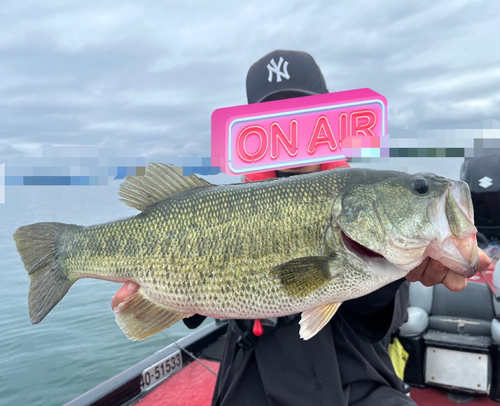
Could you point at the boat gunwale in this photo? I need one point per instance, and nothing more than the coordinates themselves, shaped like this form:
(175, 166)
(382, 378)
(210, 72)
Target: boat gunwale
(124, 388)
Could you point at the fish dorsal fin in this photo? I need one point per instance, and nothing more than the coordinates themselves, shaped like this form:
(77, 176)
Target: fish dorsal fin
(160, 182)
(313, 320)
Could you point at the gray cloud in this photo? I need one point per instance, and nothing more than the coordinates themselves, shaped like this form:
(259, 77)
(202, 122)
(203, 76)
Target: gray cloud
(148, 75)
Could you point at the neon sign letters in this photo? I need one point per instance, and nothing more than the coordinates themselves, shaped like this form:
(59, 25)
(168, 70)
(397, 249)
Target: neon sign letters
(300, 131)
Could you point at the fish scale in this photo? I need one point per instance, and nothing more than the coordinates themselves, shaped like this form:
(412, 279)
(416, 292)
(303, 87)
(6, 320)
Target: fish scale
(257, 250)
(189, 252)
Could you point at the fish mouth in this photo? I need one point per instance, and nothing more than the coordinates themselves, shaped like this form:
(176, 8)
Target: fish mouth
(456, 245)
(357, 248)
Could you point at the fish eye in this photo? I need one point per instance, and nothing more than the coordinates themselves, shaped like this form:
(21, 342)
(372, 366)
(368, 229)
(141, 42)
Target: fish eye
(420, 185)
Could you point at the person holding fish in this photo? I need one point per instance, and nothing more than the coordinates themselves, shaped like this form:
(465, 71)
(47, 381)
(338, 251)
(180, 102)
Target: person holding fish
(338, 249)
(346, 362)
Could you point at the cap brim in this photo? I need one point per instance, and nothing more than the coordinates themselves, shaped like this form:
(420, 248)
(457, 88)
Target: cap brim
(287, 93)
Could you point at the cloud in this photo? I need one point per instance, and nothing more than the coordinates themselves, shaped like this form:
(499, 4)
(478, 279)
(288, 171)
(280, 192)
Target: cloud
(8, 152)
(150, 74)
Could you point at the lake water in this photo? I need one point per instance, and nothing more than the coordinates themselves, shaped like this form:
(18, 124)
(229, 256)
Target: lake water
(78, 345)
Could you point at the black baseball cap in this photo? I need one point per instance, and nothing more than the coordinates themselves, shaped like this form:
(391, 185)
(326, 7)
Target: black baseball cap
(284, 74)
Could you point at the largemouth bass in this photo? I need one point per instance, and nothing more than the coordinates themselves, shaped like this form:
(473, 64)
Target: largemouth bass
(257, 250)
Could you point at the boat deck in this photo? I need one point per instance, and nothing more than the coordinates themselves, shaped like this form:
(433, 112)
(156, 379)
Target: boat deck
(194, 385)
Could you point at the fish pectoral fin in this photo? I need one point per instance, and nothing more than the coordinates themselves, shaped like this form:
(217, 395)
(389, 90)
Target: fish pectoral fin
(302, 276)
(139, 317)
(313, 320)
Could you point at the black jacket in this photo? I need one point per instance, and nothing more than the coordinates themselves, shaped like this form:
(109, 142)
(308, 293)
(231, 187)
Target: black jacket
(346, 363)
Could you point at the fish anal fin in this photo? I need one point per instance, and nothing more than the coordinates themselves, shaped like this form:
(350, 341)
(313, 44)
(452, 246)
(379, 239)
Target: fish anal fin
(139, 317)
(158, 183)
(313, 320)
(302, 276)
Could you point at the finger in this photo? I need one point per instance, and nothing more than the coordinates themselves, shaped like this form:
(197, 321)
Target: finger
(124, 293)
(454, 281)
(484, 260)
(434, 273)
(416, 273)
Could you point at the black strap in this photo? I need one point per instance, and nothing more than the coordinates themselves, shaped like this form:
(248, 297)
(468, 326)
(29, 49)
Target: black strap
(247, 340)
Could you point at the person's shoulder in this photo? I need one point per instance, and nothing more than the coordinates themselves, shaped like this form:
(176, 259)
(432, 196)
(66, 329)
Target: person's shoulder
(255, 177)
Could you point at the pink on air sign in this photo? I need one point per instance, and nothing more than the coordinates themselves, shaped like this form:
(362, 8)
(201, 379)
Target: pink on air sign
(299, 131)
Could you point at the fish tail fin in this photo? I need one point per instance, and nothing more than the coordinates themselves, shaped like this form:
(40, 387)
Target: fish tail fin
(36, 243)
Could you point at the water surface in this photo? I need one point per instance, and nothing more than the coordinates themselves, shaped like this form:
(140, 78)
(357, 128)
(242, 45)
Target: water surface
(78, 345)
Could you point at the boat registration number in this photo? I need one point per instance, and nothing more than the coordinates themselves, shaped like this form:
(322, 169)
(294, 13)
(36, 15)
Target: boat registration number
(160, 371)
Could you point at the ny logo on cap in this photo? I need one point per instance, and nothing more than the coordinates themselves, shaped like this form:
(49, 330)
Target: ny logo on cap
(273, 68)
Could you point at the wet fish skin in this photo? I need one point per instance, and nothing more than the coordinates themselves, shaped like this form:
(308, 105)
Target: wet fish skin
(255, 250)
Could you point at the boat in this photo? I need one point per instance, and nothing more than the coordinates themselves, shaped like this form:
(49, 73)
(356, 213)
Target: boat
(184, 373)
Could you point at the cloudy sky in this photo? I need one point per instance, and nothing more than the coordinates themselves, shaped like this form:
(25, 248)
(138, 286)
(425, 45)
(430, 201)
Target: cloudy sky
(148, 74)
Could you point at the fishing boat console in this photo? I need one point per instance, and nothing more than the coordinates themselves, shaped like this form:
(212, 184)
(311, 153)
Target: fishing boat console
(453, 338)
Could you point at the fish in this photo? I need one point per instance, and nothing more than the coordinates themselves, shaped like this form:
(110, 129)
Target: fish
(302, 244)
